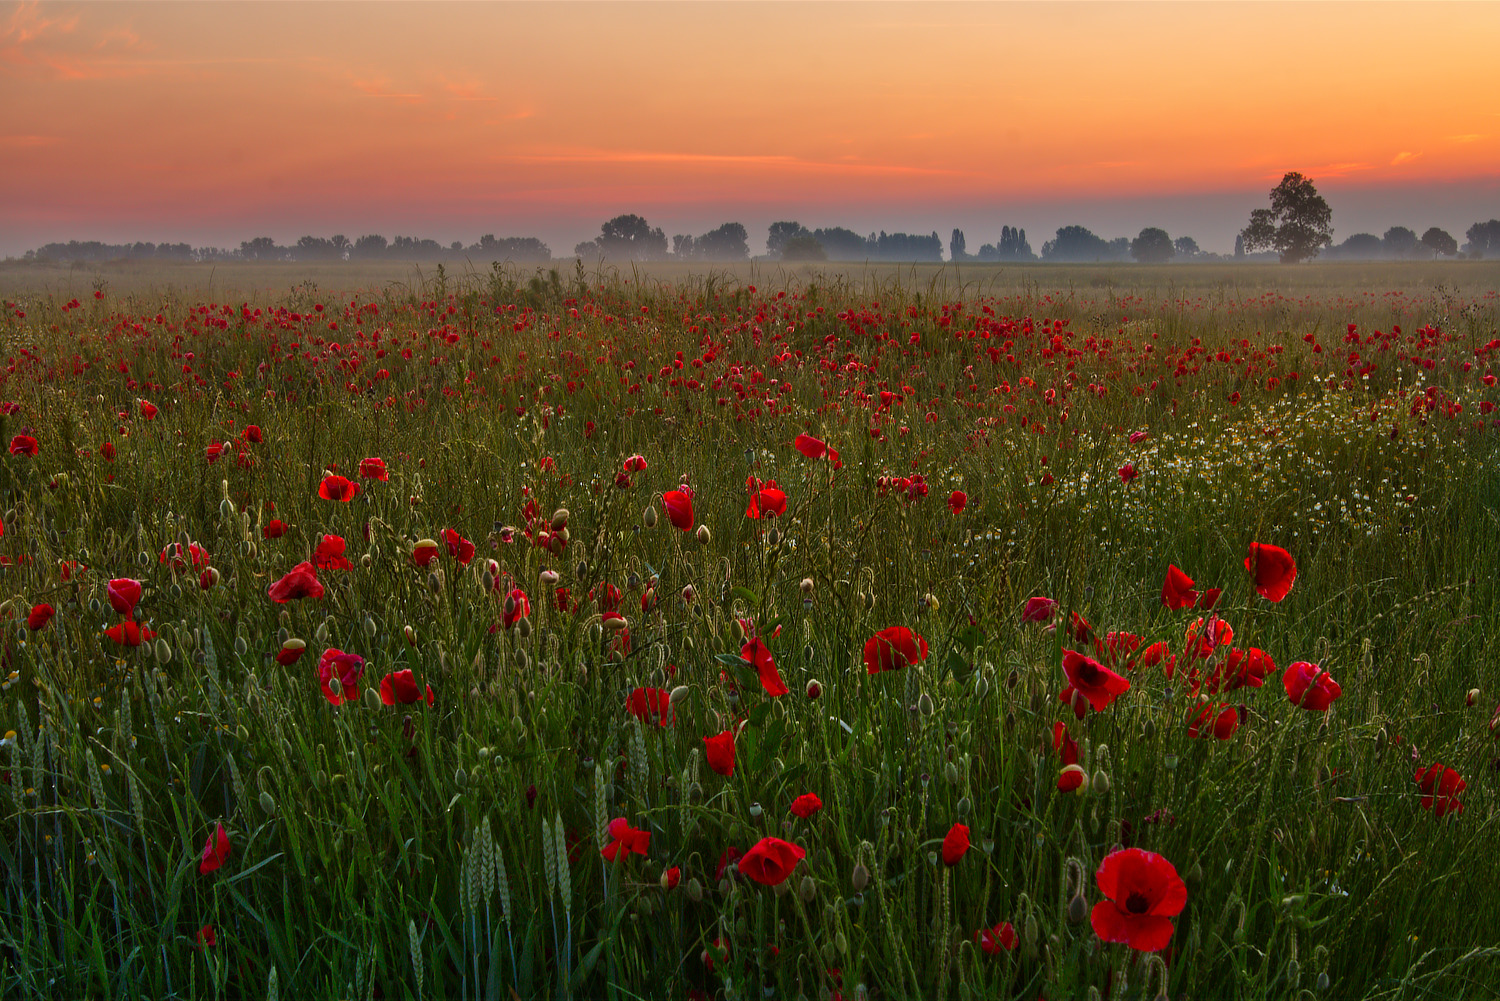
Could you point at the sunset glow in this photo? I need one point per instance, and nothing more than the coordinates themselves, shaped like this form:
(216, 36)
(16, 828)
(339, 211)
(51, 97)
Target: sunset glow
(212, 123)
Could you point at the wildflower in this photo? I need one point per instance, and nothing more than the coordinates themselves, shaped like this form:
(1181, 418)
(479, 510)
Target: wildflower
(215, 851)
(955, 844)
(214, 450)
(719, 750)
(347, 668)
(1136, 437)
(806, 805)
(273, 529)
(892, 649)
(1440, 789)
(401, 686)
(180, 559)
(679, 508)
(338, 488)
(809, 446)
(770, 860)
(516, 607)
(635, 464)
(994, 941)
(650, 705)
(1128, 472)
(253, 434)
(671, 877)
(130, 633)
(373, 469)
(424, 552)
(291, 651)
(330, 554)
(765, 499)
(957, 501)
(1064, 744)
(1273, 568)
(205, 939)
(625, 838)
(148, 410)
(758, 655)
(1220, 721)
(123, 594)
(1143, 893)
(23, 444)
(1091, 679)
(459, 548)
(1177, 590)
(1310, 687)
(40, 615)
(1039, 610)
(300, 582)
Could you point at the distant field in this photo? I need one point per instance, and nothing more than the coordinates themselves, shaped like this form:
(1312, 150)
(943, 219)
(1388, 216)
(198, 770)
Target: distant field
(258, 281)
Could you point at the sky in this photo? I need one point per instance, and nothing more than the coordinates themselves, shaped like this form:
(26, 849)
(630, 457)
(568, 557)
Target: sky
(211, 123)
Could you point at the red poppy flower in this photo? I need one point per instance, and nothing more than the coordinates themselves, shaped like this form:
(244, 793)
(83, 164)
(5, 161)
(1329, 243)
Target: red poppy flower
(253, 434)
(373, 469)
(635, 464)
(330, 554)
(994, 941)
(1243, 669)
(957, 501)
(671, 877)
(1065, 746)
(130, 633)
(1092, 680)
(300, 582)
(401, 686)
(1273, 568)
(758, 655)
(338, 488)
(1079, 628)
(719, 750)
(625, 838)
(955, 844)
(650, 705)
(810, 446)
(148, 410)
(215, 851)
(765, 499)
(273, 529)
(40, 616)
(459, 547)
(1128, 472)
(806, 805)
(1177, 590)
(1220, 721)
(516, 607)
(347, 667)
(679, 507)
(1309, 686)
(123, 594)
(1070, 778)
(771, 860)
(1144, 893)
(180, 559)
(206, 939)
(1039, 610)
(213, 451)
(893, 648)
(727, 858)
(107, 451)
(23, 444)
(424, 552)
(291, 651)
(1440, 789)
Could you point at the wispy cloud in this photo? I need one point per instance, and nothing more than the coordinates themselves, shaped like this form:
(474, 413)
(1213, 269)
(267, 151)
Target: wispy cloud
(382, 88)
(28, 141)
(1405, 156)
(1468, 137)
(762, 161)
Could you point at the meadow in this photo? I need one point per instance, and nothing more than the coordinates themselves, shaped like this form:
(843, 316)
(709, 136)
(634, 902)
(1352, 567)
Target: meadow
(881, 633)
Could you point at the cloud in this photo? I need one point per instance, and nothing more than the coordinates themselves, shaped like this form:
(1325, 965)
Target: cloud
(1405, 156)
(381, 88)
(1468, 137)
(759, 161)
(28, 141)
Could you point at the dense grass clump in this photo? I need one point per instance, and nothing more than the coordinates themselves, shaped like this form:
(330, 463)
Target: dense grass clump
(458, 722)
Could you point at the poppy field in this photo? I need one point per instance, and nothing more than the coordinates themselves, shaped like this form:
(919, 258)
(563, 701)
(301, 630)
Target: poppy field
(550, 637)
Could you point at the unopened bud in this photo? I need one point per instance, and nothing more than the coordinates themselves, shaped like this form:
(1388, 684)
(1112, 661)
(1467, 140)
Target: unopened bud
(560, 519)
(460, 778)
(163, 651)
(695, 890)
(950, 772)
(335, 685)
(680, 694)
(1101, 782)
(1472, 697)
(807, 890)
(1381, 740)
(1323, 982)
(963, 808)
(814, 688)
(648, 517)
(372, 699)
(704, 535)
(267, 804)
(370, 627)
(924, 704)
(1078, 909)
(859, 878)
(756, 811)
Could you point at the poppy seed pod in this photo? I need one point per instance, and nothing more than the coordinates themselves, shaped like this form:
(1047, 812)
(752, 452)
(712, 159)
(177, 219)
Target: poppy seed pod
(704, 535)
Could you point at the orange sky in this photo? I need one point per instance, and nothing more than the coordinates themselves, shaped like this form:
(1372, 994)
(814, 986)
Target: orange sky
(216, 122)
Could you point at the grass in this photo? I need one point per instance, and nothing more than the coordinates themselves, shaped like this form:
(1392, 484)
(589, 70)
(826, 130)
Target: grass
(454, 850)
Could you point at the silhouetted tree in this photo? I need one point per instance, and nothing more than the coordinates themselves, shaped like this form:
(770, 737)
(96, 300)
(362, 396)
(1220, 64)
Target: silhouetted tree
(1239, 245)
(780, 233)
(1484, 239)
(1152, 246)
(1076, 243)
(1186, 246)
(1400, 242)
(1358, 247)
(803, 247)
(845, 245)
(1296, 226)
(956, 246)
(626, 237)
(1440, 242)
(729, 242)
(262, 248)
(372, 245)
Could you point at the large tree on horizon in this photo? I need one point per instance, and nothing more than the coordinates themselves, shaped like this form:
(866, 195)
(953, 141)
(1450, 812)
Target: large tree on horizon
(1296, 226)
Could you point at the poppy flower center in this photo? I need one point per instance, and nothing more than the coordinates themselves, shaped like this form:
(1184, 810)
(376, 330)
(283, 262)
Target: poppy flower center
(1137, 904)
(1088, 673)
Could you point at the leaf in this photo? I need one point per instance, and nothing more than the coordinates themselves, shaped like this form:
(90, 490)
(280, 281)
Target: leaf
(970, 637)
(745, 593)
(759, 713)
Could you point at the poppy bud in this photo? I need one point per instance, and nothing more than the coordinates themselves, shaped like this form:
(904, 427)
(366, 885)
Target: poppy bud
(773, 536)
(1078, 909)
(226, 508)
(1029, 932)
(868, 598)
(240, 646)
(859, 878)
(560, 519)
(523, 627)
(695, 890)
(695, 793)
(950, 772)
(924, 704)
(410, 634)
(268, 804)
(1101, 782)
(1381, 740)
(648, 517)
(1472, 697)
(814, 688)
(549, 578)
(688, 594)
(756, 811)
(963, 808)
(840, 942)
(372, 699)
(434, 583)
(931, 602)
(807, 890)
(1148, 731)
(1323, 982)
(335, 685)
(163, 651)
(367, 561)
(1195, 875)
(460, 777)
(369, 627)
(1293, 969)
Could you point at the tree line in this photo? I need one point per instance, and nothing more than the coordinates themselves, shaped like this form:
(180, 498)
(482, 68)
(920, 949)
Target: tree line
(1296, 227)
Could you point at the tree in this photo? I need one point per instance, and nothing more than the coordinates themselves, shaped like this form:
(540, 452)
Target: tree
(1076, 243)
(1186, 246)
(1440, 242)
(1484, 239)
(1400, 242)
(956, 246)
(372, 245)
(1153, 246)
(803, 247)
(729, 242)
(626, 236)
(1239, 245)
(780, 233)
(1358, 247)
(1296, 226)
